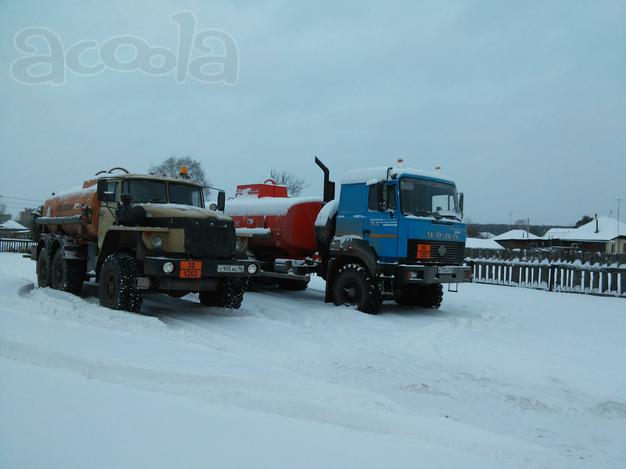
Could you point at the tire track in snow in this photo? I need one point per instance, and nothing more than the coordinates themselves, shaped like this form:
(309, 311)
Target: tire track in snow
(355, 411)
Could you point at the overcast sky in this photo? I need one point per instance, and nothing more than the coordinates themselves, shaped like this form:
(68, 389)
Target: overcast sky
(522, 103)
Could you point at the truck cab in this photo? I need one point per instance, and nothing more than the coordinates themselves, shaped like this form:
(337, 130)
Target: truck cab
(403, 231)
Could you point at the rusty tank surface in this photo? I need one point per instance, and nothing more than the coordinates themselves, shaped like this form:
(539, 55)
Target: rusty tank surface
(79, 209)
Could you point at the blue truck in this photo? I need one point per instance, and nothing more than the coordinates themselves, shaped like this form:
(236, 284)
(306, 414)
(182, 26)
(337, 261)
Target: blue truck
(394, 233)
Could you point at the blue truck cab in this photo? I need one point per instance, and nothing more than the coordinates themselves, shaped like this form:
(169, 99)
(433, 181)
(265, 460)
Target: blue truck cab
(399, 234)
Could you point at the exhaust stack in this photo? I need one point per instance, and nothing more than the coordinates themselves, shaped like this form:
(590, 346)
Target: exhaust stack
(329, 186)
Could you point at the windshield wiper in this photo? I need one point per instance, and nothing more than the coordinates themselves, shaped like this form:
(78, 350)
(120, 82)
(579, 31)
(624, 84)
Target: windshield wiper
(448, 216)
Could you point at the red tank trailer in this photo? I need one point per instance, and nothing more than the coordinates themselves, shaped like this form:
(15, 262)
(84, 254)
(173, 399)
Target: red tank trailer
(276, 225)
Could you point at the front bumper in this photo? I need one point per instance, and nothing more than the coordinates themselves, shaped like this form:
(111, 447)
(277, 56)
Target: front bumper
(429, 274)
(154, 278)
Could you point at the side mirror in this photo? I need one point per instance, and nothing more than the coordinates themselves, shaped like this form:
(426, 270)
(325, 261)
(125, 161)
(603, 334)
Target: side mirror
(461, 202)
(221, 201)
(103, 195)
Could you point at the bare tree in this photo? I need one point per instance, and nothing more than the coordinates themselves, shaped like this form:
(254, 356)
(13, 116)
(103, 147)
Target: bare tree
(171, 167)
(294, 184)
(583, 221)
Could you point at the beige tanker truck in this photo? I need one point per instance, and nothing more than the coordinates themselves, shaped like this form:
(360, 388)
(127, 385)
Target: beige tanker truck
(136, 233)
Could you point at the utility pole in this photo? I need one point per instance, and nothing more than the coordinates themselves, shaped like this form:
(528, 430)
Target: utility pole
(511, 218)
(619, 202)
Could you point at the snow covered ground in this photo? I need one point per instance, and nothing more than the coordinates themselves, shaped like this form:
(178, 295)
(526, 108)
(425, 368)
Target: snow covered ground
(499, 377)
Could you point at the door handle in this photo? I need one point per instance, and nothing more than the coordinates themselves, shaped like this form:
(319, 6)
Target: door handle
(367, 232)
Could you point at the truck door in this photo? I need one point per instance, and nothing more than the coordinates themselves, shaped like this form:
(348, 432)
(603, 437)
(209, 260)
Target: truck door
(107, 208)
(380, 225)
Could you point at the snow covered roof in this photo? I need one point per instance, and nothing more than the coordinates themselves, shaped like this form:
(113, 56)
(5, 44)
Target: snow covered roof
(12, 225)
(557, 233)
(374, 175)
(607, 230)
(515, 235)
(480, 243)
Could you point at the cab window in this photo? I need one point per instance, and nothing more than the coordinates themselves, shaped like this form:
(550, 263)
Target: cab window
(186, 194)
(145, 190)
(388, 201)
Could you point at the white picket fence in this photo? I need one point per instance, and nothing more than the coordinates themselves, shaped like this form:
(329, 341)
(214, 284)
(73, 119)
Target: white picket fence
(573, 272)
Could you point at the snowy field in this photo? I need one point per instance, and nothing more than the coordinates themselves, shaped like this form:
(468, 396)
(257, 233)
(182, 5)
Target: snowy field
(499, 377)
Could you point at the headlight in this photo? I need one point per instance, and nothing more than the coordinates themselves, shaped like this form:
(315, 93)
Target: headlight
(252, 268)
(168, 267)
(241, 245)
(157, 242)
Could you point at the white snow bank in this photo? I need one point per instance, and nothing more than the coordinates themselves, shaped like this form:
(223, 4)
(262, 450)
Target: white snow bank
(266, 206)
(499, 377)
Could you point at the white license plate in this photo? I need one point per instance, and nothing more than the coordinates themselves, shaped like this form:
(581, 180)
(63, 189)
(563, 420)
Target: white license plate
(445, 270)
(229, 269)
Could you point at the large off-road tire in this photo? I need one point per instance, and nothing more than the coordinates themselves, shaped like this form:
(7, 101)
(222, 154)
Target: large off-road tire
(292, 284)
(43, 269)
(431, 296)
(408, 296)
(118, 283)
(428, 296)
(354, 286)
(66, 275)
(229, 294)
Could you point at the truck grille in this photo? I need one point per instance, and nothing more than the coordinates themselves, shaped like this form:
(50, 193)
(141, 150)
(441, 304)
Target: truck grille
(210, 238)
(441, 252)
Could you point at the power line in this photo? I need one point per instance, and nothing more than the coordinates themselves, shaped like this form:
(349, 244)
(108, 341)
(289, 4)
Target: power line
(20, 198)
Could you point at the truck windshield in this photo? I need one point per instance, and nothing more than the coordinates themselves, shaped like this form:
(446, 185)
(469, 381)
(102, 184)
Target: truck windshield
(145, 190)
(185, 194)
(429, 198)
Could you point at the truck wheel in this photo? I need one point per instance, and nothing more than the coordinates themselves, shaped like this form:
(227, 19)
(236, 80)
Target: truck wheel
(354, 286)
(229, 294)
(43, 269)
(66, 275)
(118, 283)
(292, 284)
(430, 296)
(408, 296)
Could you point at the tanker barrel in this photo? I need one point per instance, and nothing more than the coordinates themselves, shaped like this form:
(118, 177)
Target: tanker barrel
(59, 220)
(329, 186)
